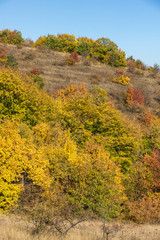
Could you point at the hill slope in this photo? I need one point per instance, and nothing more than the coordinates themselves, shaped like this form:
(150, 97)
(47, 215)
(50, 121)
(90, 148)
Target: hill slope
(57, 75)
(74, 153)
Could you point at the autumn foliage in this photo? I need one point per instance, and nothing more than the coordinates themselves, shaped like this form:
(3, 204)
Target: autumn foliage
(11, 37)
(119, 71)
(74, 55)
(134, 96)
(102, 49)
(74, 153)
(3, 54)
(35, 71)
(122, 80)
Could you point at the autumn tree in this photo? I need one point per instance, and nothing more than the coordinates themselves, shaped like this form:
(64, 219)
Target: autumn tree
(11, 37)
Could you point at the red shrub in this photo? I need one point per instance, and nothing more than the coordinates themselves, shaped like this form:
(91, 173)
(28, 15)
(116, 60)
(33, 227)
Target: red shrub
(134, 96)
(74, 55)
(119, 71)
(138, 96)
(35, 71)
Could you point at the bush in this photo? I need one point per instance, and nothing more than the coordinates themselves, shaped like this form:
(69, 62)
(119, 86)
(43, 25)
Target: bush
(122, 80)
(35, 71)
(140, 72)
(70, 61)
(74, 55)
(39, 80)
(140, 65)
(150, 69)
(134, 96)
(11, 37)
(68, 42)
(145, 210)
(84, 46)
(3, 54)
(71, 90)
(119, 71)
(131, 64)
(11, 61)
(103, 49)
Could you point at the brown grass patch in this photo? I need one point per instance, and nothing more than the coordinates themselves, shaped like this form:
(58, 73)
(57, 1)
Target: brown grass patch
(15, 228)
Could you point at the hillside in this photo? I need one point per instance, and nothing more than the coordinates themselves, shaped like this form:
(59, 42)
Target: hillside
(87, 146)
(57, 75)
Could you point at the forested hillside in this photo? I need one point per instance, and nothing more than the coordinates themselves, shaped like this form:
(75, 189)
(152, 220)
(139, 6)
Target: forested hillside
(73, 153)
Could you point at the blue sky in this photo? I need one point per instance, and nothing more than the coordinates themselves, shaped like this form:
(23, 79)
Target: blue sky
(133, 25)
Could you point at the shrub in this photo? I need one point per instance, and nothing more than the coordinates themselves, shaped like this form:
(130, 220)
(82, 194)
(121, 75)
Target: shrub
(103, 49)
(71, 90)
(39, 80)
(140, 64)
(140, 72)
(11, 37)
(3, 54)
(41, 41)
(122, 80)
(134, 96)
(70, 61)
(84, 46)
(147, 119)
(119, 71)
(153, 164)
(107, 52)
(11, 61)
(150, 69)
(68, 42)
(35, 71)
(145, 210)
(131, 64)
(74, 55)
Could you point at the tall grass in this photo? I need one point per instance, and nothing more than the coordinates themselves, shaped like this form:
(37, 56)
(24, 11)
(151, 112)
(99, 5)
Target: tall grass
(14, 228)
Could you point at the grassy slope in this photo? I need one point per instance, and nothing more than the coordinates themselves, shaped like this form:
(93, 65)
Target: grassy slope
(57, 75)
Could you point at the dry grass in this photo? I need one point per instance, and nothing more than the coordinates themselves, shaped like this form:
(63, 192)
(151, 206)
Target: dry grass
(14, 228)
(57, 74)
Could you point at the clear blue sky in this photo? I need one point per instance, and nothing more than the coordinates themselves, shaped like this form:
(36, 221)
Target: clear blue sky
(134, 25)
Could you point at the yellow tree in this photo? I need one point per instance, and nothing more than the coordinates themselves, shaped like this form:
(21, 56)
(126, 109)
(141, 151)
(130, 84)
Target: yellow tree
(68, 42)
(13, 163)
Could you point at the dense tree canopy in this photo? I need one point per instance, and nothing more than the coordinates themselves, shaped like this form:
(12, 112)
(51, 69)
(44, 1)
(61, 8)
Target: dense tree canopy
(75, 147)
